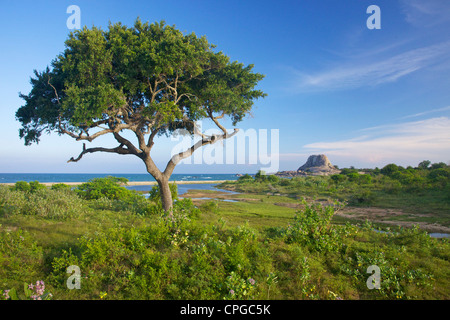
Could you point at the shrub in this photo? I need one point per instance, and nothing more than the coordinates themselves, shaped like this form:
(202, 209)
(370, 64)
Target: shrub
(438, 165)
(390, 169)
(272, 178)
(21, 258)
(365, 197)
(47, 203)
(108, 187)
(60, 186)
(312, 227)
(21, 186)
(155, 194)
(260, 176)
(353, 176)
(245, 177)
(364, 179)
(338, 178)
(35, 186)
(28, 187)
(211, 206)
(438, 174)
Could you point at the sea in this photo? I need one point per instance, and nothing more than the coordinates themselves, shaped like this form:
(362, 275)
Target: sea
(84, 177)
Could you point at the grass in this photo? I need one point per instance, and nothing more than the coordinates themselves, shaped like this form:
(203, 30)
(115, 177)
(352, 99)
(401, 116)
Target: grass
(255, 248)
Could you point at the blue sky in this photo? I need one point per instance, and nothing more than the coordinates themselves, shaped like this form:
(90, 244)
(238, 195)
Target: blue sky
(362, 97)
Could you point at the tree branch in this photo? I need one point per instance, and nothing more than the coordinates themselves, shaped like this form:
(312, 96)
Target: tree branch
(119, 150)
(217, 122)
(187, 153)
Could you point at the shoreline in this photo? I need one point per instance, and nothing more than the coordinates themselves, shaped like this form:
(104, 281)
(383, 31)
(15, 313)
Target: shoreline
(129, 183)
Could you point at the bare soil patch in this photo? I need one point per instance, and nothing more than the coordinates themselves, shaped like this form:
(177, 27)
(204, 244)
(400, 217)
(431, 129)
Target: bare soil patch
(383, 215)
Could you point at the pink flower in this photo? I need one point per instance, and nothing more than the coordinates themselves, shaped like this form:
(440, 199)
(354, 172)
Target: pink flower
(6, 294)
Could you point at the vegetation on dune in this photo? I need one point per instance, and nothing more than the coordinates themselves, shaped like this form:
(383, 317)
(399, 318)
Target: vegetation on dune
(424, 189)
(129, 249)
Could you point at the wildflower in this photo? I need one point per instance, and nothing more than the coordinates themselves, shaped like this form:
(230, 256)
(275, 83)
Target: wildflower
(232, 292)
(103, 294)
(39, 288)
(6, 294)
(251, 281)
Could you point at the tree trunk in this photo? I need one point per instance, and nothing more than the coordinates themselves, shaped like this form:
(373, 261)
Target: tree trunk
(166, 195)
(163, 183)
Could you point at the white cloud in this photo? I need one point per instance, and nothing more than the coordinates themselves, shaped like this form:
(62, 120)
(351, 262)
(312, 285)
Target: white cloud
(374, 73)
(426, 13)
(426, 112)
(405, 143)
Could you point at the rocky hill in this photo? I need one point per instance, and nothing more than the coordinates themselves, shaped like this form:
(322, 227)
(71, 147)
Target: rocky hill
(315, 165)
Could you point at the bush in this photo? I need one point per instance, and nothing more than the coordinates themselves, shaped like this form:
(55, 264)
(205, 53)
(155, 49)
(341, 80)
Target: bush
(20, 257)
(312, 227)
(245, 177)
(438, 165)
(211, 206)
(28, 187)
(21, 186)
(440, 173)
(155, 194)
(338, 178)
(364, 179)
(47, 203)
(260, 176)
(365, 197)
(60, 186)
(390, 169)
(108, 187)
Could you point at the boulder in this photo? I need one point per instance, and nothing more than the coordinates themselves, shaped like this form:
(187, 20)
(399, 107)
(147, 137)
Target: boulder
(318, 165)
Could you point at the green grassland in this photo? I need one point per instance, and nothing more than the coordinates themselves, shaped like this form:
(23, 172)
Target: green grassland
(269, 244)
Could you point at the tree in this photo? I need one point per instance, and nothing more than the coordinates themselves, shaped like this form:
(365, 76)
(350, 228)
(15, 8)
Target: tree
(390, 169)
(424, 164)
(149, 79)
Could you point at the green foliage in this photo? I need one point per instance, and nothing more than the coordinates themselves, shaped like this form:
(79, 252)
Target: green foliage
(21, 186)
(20, 256)
(260, 176)
(108, 187)
(312, 227)
(155, 194)
(30, 292)
(239, 288)
(28, 186)
(338, 178)
(60, 186)
(245, 177)
(424, 164)
(211, 206)
(148, 74)
(439, 165)
(52, 204)
(273, 178)
(390, 169)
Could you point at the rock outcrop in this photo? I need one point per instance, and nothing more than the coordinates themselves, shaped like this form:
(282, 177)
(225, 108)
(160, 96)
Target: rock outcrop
(315, 165)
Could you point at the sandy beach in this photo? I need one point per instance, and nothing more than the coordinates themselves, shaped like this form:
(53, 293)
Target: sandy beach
(130, 183)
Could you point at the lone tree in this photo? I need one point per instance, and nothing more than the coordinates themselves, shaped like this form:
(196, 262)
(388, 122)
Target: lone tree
(150, 79)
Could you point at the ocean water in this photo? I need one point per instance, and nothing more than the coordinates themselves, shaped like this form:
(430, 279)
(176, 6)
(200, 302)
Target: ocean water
(83, 177)
(183, 188)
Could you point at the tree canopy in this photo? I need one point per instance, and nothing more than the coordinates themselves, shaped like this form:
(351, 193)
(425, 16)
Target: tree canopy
(150, 78)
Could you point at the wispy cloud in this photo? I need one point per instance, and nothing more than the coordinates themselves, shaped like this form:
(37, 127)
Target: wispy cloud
(426, 112)
(426, 13)
(374, 73)
(407, 142)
